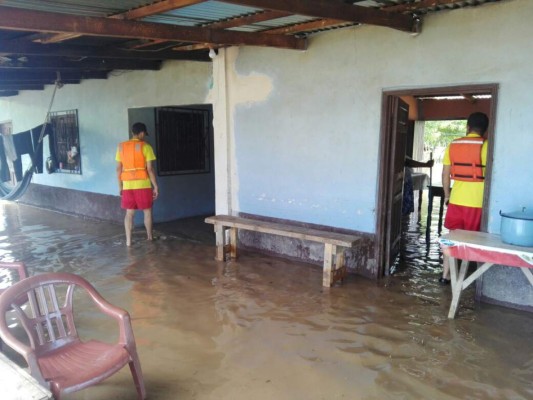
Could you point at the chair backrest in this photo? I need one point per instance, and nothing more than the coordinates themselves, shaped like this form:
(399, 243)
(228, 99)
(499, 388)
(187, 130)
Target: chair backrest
(8, 280)
(18, 266)
(48, 315)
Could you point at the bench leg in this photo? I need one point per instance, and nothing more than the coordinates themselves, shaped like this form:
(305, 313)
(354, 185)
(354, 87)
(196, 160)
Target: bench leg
(333, 272)
(220, 236)
(327, 273)
(233, 242)
(339, 274)
(225, 247)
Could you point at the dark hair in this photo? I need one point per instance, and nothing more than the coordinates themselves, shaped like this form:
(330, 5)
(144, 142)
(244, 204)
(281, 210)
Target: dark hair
(478, 122)
(138, 127)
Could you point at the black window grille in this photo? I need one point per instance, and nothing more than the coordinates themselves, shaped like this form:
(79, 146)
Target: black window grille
(65, 141)
(182, 140)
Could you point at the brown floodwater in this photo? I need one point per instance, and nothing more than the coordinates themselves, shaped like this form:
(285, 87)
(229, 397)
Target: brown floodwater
(264, 328)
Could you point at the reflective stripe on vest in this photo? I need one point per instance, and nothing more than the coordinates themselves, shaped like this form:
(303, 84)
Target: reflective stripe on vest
(133, 162)
(465, 157)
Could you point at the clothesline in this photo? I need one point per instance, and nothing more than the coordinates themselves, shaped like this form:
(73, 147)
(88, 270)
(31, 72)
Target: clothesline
(34, 139)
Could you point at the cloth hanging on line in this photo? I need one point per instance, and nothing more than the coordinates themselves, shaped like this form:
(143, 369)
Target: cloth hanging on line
(28, 143)
(23, 146)
(24, 143)
(20, 188)
(5, 175)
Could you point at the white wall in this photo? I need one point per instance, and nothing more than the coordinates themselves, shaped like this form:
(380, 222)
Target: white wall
(103, 115)
(304, 126)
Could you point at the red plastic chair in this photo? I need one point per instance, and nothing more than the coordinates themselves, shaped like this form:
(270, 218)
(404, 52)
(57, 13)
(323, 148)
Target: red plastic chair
(55, 354)
(18, 266)
(22, 274)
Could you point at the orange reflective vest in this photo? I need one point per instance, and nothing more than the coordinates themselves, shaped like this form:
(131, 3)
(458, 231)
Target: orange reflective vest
(133, 161)
(465, 157)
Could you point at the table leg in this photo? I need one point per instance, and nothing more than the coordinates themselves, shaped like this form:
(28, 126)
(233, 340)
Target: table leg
(476, 274)
(452, 264)
(528, 274)
(441, 211)
(430, 208)
(457, 288)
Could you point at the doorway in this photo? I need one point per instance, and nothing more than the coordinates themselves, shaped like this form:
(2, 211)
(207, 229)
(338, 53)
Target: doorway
(182, 139)
(442, 103)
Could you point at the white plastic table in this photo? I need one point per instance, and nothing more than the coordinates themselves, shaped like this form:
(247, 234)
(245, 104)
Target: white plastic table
(482, 247)
(420, 183)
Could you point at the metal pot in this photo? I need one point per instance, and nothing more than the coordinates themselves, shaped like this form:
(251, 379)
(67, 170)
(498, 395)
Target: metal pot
(517, 228)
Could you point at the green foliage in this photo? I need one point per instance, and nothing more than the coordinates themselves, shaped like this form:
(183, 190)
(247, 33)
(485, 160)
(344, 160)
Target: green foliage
(438, 134)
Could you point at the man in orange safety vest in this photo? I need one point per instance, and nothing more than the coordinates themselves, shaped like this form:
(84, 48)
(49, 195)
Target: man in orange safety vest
(136, 179)
(464, 162)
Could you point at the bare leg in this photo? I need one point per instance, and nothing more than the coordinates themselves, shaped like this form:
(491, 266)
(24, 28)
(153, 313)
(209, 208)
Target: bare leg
(148, 223)
(128, 225)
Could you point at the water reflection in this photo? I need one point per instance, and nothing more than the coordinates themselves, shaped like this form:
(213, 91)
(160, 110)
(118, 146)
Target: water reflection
(264, 328)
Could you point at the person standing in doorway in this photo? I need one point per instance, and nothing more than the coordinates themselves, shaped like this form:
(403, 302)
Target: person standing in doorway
(464, 162)
(136, 179)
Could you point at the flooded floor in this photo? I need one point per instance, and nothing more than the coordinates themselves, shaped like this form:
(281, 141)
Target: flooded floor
(264, 328)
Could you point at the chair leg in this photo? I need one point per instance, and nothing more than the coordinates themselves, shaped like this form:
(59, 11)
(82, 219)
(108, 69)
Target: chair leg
(136, 373)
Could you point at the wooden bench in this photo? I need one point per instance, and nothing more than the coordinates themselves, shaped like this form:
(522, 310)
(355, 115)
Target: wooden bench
(334, 243)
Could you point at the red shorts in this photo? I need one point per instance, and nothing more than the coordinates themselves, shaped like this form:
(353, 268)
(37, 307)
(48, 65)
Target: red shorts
(462, 217)
(137, 199)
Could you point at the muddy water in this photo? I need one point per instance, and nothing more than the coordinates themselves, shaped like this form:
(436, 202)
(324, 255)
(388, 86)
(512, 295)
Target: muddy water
(264, 328)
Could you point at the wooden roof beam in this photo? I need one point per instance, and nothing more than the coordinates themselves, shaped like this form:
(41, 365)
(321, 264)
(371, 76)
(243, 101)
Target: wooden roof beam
(233, 22)
(248, 19)
(156, 8)
(50, 76)
(422, 4)
(306, 26)
(21, 86)
(344, 12)
(8, 47)
(93, 64)
(137, 13)
(9, 93)
(42, 21)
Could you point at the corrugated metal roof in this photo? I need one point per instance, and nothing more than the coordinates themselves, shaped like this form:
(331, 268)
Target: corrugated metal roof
(89, 8)
(122, 45)
(212, 11)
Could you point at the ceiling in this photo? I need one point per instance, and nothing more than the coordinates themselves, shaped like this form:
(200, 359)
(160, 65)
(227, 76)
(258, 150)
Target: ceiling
(74, 40)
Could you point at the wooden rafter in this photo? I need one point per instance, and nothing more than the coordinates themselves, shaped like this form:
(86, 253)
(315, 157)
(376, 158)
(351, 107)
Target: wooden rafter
(233, 22)
(422, 4)
(92, 64)
(41, 77)
(306, 26)
(156, 8)
(329, 10)
(137, 13)
(248, 19)
(29, 20)
(8, 47)
(20, 86)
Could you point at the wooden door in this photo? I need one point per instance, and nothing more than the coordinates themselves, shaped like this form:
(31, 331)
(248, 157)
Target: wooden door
(399, 110)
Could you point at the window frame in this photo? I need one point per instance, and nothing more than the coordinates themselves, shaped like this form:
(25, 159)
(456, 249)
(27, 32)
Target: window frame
(61, 148)
(203, 140)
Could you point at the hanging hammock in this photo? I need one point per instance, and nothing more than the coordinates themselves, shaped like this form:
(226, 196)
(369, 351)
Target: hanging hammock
(16, 192)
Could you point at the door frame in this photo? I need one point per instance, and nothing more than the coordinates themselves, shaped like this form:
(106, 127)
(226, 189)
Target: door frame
(386, 149)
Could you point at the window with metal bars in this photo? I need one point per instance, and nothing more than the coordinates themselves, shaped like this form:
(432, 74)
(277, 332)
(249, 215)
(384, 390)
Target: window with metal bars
(182, 140)
(65, 141)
